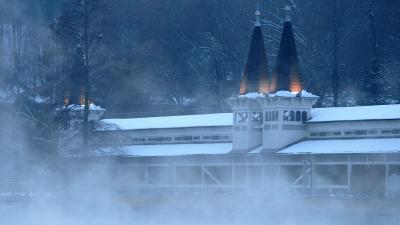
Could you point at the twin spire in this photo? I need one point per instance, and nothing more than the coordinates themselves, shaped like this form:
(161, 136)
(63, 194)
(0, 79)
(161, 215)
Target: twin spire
(286, 74)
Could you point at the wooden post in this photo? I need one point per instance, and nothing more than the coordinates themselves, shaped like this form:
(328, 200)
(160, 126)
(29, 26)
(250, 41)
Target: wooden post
(348, 175)
(202, 178)
(312, 176)
(387, 171)
(173, 175)
(263, 179)
(232, 174)
(278, 177)
(247, 174)
(146, 175)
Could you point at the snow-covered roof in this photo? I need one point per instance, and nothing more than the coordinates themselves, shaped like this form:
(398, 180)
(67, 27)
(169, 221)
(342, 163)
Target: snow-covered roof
(378, 112)
(92, 107)
(375, 112)
(205, 120)
(286, 94)
(351, 146)
(166, 150)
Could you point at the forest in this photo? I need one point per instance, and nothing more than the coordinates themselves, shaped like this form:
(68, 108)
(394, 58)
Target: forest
(141, 58)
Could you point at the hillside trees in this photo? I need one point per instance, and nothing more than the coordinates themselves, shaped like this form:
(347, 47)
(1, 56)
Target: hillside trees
(79, 31)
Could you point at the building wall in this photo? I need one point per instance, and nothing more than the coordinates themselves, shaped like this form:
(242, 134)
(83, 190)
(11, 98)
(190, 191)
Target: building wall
(163, 136)
(354, 129)
(287, 123)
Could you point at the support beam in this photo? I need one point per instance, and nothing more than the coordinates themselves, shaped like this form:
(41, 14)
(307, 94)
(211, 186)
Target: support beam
(387, 172)
(212, 177)
(146, 175)
(173, 175)
(349, 171)
(202, 178)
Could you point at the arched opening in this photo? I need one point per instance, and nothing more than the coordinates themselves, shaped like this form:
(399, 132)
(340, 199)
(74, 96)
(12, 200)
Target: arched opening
(266, 116)
(276, 115)
(286, 115)
(298, 115)
(304, 116)
(292, 116)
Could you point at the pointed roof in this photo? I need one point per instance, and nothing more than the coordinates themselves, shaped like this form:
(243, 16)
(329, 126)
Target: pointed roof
(286, 74)
(256, 69)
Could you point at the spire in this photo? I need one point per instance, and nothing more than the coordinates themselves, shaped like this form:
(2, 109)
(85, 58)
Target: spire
(256, 69)
(286, 74)
(288, 11)
(258, 14)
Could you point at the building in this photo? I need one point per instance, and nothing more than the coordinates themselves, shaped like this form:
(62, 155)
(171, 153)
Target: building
(273, 139)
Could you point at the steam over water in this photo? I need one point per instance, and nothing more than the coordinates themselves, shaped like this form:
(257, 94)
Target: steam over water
(106, 205)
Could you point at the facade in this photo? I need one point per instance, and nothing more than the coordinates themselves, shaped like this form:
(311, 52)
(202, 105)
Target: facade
(273, 132)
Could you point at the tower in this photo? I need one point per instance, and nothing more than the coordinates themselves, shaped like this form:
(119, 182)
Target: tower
(270, 113)
(247, 128)
(288, 106)
(286, 74)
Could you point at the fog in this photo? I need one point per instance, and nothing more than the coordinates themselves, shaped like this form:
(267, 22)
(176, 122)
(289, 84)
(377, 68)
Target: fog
(50, 196)
(108, 207)
(157, 58)
(50, 191)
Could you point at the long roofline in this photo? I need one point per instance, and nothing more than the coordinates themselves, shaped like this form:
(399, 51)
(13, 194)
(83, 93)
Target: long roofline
(334, 114)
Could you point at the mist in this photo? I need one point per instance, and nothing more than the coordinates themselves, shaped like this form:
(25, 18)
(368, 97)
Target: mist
(140, 59)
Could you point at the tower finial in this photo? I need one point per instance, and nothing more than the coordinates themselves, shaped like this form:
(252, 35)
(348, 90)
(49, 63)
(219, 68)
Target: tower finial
(257, 13)
(288, 12)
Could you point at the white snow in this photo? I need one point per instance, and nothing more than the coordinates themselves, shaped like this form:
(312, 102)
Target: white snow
(387, 145)
(256, 150)
(285, 94)
(290, 94)
(252, 95)
(376, 112)
(205, 120)
(38, 99)
(92, 106)
(306, 94)
(167, 150)
(379, 112)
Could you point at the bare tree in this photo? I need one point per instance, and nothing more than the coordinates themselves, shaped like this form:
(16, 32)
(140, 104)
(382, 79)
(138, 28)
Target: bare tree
(373, 80)
(79, 28)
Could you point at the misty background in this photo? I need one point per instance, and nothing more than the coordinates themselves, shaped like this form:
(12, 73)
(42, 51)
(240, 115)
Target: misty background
(152, 58)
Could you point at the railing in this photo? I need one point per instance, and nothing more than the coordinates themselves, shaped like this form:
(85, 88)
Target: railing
(285, 177)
